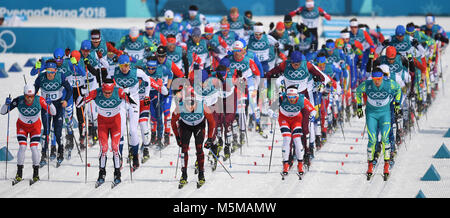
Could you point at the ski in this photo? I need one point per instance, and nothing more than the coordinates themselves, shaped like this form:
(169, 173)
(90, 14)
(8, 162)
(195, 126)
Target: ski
(58, 164)
(42, 164)
(15, 181)
(283, 175)
(34, 180)
(69, 154)
(300, 175)
(200, 183)
(115, 183)
(98, 183)
(145, 159)
(182, 184)
(370, 175)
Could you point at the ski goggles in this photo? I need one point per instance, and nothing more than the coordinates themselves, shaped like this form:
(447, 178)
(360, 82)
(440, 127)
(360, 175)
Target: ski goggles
(410, 30)
(377, 75)
(124, 65)
(288, 23)
(149, 28)
(51, 70)
(238, 49)
(321, 60)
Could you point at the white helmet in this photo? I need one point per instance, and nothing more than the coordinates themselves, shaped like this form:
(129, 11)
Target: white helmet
(28, 90)
(168, 14)
(134, 32)
(385, 69)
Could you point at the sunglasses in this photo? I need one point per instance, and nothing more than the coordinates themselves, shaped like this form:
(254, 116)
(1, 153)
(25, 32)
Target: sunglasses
(124, 65)
(149, 28)
(390, 59)
(51, 70)
(238, 50)
(107, 93)
(29, 96)
(258, 34)
(292, 97)
(377, 78)
(151, 68)
(288, 23)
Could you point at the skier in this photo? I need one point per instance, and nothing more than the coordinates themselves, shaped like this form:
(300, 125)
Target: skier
(310, 15)
(238, 22)
(379, 93)
(109, 100)
(169, 26)
(189, 118)
(52, 84)
(195, 19)
(126, 77)
(290, 121)
(156, 38)
(28, 125)
(199, 46)
(135, 45)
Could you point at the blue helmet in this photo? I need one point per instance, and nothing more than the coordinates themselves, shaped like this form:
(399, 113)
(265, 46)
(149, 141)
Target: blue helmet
(196, 32)
(243, 42)
(296, 57)
(124, 59)
(50, 64)
(86, 45)
(58, 53)
(225, 62)
(400, 30)
(151, 63)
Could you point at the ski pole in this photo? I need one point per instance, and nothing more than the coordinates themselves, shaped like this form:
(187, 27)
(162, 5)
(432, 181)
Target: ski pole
(272, 127)
(7, 142)
(178, 158)
(217, 159)
(48, 141)
(128, 139)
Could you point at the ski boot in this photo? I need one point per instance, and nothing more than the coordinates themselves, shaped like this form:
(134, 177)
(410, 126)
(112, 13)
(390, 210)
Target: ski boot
(318, 142)
(53, 153)
(369, 172)
(311, 150)
(201, 179)
(196, 167)
(69, 145)
(101, 177)
(386, 170)
(166, 139)
(285, 171)
(82, 143)
(117, 179)
(35, 175)
(324, 138)
(183, 180)
(60, 157)
(242, 137)
(153, 139)
(145, 154)
(226, 152)
(250, 123)
(94, 136)
(306, 157)
(135, 159)
(44, 159)
(235, 144)
(300, 171)
(159, 144)
(18, 175)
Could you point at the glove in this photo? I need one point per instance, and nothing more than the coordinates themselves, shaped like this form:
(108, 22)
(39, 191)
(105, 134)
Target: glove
(73, 60)
(208, 143)
(79, 102)
(48, 100)
(8, 101)
(115, 59)
(38, 65)
(272, 114)
(414, 43)
(86, 61)
(385, 43)
(371, 55)
(129, 99)
(271, 26)
(359, 112)
(410, 58)
(276, 45)
(437, 36)
(287, 47)
(238, 73)
(397, 109)
(67, 51)
(146, 101)
(132, 59)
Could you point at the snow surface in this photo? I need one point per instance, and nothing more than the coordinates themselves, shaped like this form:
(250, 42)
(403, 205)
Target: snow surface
(337, 171)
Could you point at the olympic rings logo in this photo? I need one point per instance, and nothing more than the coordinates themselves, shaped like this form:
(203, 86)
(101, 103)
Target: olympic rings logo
(167, 32)
(401, 46)
(394, 67)
(62, 70)
(378, 95)
(29, 111)
(291, 108)
(134, 45)
(125, 82)
(238, 66)
(107, 103)
(259, 45)
(192, 117)
(235, 25)
(197, 49)
(51, 86)
(3, 43)
(174, 57)
(294, 74)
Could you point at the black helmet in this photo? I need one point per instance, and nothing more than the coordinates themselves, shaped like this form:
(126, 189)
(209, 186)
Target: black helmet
(161, 51)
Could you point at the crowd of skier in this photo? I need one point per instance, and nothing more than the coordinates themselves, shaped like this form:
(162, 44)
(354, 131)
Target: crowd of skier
(218, 81)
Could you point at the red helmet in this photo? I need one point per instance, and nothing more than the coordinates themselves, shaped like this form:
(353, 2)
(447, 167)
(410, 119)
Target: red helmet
(391, 52)
(209, 28)
(76, 54)
(108, 87)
